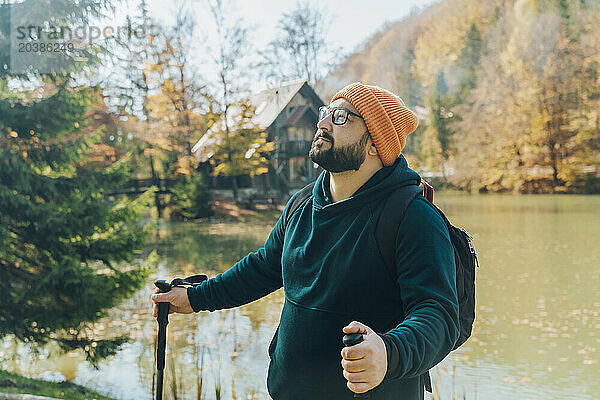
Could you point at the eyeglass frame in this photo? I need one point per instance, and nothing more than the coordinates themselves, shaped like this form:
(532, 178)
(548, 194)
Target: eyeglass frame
(332, 110)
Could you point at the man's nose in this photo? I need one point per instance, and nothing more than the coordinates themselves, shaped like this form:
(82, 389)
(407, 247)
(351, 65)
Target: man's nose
(325, 123)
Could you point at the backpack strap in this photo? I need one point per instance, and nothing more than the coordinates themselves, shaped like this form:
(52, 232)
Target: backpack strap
(427, 190)
(300, 198)
(389, 221)
(387, 231)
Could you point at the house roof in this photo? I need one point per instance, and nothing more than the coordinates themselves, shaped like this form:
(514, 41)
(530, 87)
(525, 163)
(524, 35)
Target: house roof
(268, 103)
(297, 114)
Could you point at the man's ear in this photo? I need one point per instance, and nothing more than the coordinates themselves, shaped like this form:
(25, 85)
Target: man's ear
(372, 150)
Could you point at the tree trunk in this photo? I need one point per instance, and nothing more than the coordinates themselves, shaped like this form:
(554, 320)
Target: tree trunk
(156, 181)
(234, 188)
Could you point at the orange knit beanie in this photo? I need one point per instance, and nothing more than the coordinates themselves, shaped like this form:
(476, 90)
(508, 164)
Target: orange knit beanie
(388, 120)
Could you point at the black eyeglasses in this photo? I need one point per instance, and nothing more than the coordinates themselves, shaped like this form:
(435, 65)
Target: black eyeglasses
(340, 114)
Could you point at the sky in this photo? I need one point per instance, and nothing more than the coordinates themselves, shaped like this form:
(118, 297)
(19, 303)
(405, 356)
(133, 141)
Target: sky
(351, 21)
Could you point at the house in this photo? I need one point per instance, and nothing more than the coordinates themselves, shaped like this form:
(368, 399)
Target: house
(289, 114)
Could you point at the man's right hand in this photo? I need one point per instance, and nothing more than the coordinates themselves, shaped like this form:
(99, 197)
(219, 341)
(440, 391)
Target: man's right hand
(178, 299)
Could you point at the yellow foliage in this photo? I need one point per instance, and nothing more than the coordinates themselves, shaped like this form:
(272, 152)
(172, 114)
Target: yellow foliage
(443, 37)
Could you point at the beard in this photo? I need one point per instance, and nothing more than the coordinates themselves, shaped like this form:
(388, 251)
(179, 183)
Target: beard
(346, 158)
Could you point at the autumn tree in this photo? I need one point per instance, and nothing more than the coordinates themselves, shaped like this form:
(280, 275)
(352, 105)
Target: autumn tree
(160, 94)
(300, 49)
(524, 106)
(128, 87)
(244, 152)
(181, 102)
(239, 143)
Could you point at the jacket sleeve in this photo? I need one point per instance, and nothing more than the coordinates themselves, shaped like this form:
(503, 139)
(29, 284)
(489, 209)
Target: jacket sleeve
(254, 276)
(427, 279)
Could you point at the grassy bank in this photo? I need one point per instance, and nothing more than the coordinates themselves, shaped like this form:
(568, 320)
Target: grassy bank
(12, 383)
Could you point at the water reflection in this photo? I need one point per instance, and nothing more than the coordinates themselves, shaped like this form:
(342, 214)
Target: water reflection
(537, 295)
(536, 333)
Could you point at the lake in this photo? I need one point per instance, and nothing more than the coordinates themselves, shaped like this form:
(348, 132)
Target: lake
(536, 335)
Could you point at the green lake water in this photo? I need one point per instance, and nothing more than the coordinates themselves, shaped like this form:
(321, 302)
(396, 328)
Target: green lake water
(536, 336)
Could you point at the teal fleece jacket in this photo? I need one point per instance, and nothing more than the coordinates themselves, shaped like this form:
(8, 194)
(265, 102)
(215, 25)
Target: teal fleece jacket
(327, 260)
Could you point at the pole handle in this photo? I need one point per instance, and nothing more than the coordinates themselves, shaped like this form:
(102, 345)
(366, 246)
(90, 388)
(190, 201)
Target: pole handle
(352, 339)
(162, 285)
(163, 308)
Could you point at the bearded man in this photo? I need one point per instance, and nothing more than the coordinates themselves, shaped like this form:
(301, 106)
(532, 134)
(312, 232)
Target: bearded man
(323, 253)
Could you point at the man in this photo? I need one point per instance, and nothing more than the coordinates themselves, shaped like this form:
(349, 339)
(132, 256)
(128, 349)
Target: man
(334, 278)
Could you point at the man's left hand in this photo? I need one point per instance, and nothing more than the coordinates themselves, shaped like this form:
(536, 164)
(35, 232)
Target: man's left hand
(364, 364)
(177, 297)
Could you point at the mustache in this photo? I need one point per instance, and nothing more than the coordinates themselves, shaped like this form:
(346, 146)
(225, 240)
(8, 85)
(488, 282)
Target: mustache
(324, 135)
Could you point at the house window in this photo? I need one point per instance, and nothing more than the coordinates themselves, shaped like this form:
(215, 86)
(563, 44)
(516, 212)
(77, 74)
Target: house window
(300, 170)
(296, 134)
(296, 167)
(308, 134)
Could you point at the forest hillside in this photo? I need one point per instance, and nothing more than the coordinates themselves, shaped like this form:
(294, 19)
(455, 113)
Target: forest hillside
(507, 91)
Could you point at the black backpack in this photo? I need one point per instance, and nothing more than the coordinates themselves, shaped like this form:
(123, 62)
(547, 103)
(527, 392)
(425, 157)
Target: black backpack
(386, 232)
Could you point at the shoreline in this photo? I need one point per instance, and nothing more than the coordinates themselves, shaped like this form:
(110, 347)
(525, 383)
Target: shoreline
(17, 387)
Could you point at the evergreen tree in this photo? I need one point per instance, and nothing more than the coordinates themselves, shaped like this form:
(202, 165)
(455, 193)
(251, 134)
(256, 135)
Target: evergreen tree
(469, 62)
(68, 251)
(409, 87)
(437, 136)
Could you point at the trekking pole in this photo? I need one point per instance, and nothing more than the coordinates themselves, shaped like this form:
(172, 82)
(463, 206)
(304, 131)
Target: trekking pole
(163, 320)
(350, 340)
